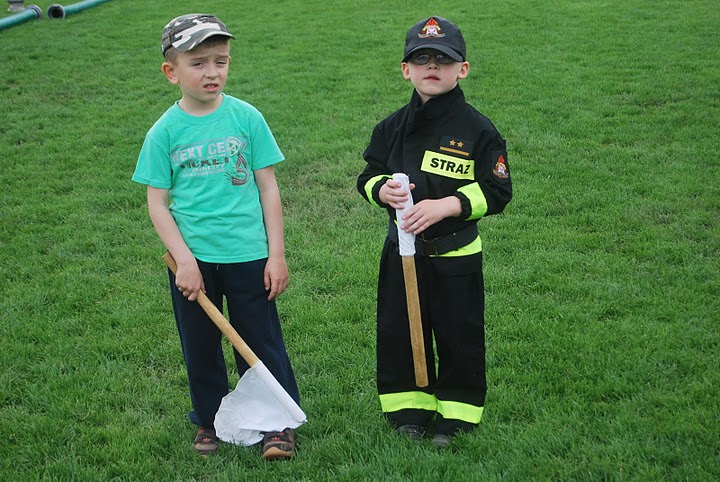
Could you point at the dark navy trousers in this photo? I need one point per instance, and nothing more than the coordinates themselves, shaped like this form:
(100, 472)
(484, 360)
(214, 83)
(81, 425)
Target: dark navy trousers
(253, 317)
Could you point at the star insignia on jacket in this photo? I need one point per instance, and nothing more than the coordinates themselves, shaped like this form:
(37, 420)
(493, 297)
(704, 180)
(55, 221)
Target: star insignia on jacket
(454, 143)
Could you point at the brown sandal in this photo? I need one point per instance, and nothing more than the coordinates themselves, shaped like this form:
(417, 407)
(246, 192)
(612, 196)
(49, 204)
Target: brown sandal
(278, 445)
(206, 442)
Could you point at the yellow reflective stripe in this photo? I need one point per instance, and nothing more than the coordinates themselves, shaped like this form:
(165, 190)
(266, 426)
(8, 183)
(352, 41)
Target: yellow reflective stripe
(478, 203)
(472, 248)
(460, 411)
(392, 402)
(370, 185)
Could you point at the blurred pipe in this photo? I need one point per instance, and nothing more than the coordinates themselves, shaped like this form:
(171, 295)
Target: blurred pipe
(56, 10)
(16, 5)
(30, 13)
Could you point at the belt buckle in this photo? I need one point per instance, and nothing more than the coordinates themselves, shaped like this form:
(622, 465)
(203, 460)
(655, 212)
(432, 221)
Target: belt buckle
(430, 247)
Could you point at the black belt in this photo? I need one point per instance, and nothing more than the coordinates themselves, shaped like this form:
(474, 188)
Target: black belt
(439, 245)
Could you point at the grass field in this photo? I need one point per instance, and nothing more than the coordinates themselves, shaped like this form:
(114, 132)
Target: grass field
(602, 274)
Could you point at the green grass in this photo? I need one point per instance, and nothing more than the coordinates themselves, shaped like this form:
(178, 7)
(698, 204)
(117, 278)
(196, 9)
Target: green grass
(602, 274)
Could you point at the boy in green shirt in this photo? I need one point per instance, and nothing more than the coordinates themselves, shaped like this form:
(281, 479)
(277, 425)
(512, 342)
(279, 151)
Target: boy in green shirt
(215, 204)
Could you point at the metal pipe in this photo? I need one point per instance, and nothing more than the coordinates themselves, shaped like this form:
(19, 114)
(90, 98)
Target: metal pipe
(56, 10)
(30, 13)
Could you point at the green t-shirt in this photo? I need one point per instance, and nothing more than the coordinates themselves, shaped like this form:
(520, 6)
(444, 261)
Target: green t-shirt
(207, 164)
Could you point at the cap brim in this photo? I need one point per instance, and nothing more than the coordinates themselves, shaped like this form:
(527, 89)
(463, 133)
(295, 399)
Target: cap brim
(442, 48)
(189, 45)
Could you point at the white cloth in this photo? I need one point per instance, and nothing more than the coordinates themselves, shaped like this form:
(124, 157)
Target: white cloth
(258, 404)
(406, 240)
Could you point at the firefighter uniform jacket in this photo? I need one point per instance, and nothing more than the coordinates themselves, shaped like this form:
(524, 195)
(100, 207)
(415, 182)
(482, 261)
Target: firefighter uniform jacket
(447, 148)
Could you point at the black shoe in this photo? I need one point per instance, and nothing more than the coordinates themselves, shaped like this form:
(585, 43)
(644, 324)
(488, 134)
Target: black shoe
(441, 440)
(414, 432)
(446, 430)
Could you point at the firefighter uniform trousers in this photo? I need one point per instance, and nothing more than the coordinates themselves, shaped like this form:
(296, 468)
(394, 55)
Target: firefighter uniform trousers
(452, 309)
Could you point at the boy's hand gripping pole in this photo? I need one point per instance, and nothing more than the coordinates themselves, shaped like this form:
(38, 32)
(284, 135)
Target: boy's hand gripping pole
(219, 319)
(406, 242)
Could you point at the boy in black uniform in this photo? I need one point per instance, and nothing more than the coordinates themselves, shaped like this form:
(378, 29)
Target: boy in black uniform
(457, 164)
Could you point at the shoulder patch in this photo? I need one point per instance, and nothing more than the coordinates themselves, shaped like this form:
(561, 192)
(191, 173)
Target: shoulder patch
(500, 169)
(457, 146)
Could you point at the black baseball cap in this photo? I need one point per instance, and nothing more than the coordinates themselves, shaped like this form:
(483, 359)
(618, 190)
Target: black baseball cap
(435, 33)
(188, 31)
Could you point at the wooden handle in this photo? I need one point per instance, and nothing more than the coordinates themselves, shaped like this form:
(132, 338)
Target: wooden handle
(416, 331)
(217, 317)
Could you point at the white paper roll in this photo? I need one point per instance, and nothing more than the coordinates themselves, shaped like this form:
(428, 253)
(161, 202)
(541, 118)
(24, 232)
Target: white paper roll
(406, 240)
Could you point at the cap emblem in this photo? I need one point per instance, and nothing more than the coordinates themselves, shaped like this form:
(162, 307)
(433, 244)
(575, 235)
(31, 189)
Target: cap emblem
(431, 30)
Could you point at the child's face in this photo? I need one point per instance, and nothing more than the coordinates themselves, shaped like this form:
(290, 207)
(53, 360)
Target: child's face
(433, 78)
(201, 75)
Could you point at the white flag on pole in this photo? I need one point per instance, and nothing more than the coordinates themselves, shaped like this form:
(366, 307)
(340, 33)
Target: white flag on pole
(258, 404)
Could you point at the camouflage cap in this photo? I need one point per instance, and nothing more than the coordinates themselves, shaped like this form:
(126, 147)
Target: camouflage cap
(187, 31)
